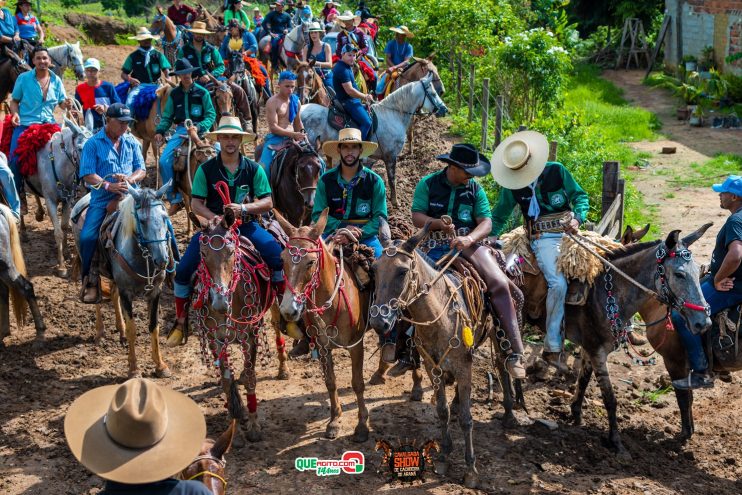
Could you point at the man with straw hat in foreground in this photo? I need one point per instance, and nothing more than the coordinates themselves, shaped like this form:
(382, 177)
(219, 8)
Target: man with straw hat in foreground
(552, 203)
(250, 194)
(137, 436)
(398, 53)
(145, 65)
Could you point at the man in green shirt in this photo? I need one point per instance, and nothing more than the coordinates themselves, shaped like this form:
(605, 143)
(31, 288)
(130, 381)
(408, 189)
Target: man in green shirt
(187, 102)
(251, 196)
(552, 203)
(453, 193)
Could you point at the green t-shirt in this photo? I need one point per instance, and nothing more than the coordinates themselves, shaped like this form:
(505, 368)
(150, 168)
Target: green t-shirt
(449, 200)
(240, 15)
(259, 182)
(155, 57)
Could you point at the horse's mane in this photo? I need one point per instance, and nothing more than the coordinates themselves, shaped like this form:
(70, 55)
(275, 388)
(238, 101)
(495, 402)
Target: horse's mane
(127, 217)
(625, 251)
(399, 96)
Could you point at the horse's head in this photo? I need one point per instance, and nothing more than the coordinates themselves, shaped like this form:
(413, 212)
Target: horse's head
(393, 273)
(146, 220)
(209, 465)
(74, 59)
(678, 281)
(302, 264)
(306, 172)
(423, 67)
(432, 102)
(304, 77)
(224, 99)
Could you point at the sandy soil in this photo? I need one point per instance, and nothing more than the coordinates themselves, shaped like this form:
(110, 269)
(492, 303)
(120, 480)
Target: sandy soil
(38, 386)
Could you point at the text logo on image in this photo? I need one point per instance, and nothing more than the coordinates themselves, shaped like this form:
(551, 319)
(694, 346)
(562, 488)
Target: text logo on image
(352, 462)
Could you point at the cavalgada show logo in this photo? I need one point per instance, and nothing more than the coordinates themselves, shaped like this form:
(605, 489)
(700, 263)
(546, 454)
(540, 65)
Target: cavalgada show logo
(406, 462)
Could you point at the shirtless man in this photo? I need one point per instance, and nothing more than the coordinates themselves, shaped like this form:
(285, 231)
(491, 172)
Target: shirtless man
(282, 115)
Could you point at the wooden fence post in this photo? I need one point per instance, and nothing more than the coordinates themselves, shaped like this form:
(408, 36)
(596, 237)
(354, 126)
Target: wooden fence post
(621, 189)
(498, 120)
(553, 151)
(485, 112)
(458, 82)
(471, 93)
(522, 128)
(611, 176)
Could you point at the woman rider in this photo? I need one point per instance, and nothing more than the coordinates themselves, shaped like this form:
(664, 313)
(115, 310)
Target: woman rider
(320, 52)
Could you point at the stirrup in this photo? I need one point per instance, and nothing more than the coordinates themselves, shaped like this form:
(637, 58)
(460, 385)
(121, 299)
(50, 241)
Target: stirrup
(177, 335)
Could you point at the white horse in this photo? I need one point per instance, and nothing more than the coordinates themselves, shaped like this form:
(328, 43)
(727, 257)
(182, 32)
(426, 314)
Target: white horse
(67, 55)
(394, 115)
(57, 180)
(293, 42)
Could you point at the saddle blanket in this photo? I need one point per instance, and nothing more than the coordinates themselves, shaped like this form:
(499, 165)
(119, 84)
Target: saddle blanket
(30, 142)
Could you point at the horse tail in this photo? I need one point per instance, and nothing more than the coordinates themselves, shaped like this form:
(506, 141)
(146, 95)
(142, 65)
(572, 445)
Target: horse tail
(234, 402)
(17, 300)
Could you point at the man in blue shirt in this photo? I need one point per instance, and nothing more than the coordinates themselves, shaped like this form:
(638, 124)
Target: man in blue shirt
(35, 95)
(278, 23)
(111, 160)
(346, 90)
(398, 53)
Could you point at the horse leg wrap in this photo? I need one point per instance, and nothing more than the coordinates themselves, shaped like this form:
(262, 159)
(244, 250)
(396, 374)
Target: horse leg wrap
(280, 344)
(252, 403)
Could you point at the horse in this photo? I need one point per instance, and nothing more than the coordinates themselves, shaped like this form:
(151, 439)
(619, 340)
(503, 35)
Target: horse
(241, 75)
(290, 48)
(447, 312)
(16, 289)
(209, 465)
(10, 69)
(295, 172)
(56, 179)
(184, 169)
(231, 296)
(145, 129)
(309, 85)
(212, 24)
(172, 37)
(394, 115)
(67, 55)
(140, 258)
(223, 99)
(322, 290)
(649, 278)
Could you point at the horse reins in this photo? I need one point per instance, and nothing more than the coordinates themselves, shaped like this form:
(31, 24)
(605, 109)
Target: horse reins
(220, 462)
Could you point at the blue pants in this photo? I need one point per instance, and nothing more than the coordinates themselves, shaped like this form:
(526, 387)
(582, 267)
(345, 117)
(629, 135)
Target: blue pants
(381, 83)
(264, 242)
(372, 242)
(267, 87)
(167, 158)
(7, 180)
(546, 249)
(13, 159)
(275, 52)
(89, 235)
(718, 301)
(266, 157)
(360, 116)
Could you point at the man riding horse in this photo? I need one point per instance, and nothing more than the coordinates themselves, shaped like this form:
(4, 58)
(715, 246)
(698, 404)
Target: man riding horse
(251, 196)
(242, 41)
(282, 116)
(398, 53)
(277, 23)
(189, 104)
(722, 287)
(355, 196)
(144, 66)
(347, 93)
(552, 203)
(453, 193)
(181, 14)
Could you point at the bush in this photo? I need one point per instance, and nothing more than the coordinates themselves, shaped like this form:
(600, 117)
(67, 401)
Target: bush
(734, 87)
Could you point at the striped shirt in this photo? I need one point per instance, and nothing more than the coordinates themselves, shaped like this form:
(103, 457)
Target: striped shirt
(101, 158)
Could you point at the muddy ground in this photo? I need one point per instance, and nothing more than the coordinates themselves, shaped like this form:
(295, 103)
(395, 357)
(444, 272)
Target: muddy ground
(37, 387)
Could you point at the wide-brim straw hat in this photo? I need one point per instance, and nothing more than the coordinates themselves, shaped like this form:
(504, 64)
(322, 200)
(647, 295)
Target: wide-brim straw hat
(349, 16)
(143, 34)
(402, 30)
(136, 432)
(230, 126)
(199, 27)
(520, 159)
(346, 136)
(315, 27)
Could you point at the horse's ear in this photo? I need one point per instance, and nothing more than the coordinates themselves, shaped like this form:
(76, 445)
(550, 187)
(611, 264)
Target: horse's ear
(164, 189)
(694, 236)
(628, 236)
(412, 243)
(195, 220)
(229, 218)
(385, 235)
(672, 240)
(639, 234)
(224, 442)
(285, 224)
(135, 193)
(430, 57)
(319, 227)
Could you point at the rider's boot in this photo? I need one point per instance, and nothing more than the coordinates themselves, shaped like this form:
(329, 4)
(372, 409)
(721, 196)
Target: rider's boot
(301, 346)
(555, 359)
(91, 293)
(407, 358)
(694, 380)
(178, 334)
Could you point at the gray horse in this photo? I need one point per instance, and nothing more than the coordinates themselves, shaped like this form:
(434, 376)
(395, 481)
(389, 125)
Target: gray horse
(57, 179)
(67, 55)
(140, 259)
(394, 115)
(13, 279)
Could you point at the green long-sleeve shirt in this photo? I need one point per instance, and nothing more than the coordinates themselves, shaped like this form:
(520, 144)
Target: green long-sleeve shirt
(561, 192)
(188, 109)
(202, 59)
(240, 15)
(367, 195)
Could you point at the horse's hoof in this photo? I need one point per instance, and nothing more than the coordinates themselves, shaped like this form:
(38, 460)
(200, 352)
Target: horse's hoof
(61, 272)
(441, 467)
(283, 374)
(164, 373)
(254, 435)
(361, 433)
(623, 455)
(471, 478)
(416, 395)
(683, 436)
(38, 344)
(135, 374)
(332, 431)
(509, 422)
(377, 379)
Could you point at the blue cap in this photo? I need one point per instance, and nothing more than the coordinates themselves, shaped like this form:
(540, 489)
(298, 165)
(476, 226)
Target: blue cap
(348, 47)
(286, 75)
(732, 184)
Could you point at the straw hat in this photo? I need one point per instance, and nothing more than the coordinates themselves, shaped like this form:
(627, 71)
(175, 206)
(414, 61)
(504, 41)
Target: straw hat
(199, 27)
(315, 26)
(136, 432)
(345, 136)
(520, 159)
(349, 16)
(143, 34)
(232, 126)
(402, 30)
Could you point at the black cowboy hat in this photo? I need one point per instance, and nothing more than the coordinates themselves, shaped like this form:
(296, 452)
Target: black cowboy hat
(183, 66)
(466, 157)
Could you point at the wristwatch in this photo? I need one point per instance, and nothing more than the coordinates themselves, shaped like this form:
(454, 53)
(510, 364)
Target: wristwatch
(244, 212)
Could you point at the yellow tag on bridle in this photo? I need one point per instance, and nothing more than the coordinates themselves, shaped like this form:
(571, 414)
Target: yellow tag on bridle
(467, 336)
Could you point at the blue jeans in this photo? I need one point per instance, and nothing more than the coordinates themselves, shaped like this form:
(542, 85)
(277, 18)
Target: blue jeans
(13, 159)
(360, 116)
(89, 235)
(546, 249)
(381, 83)
(167, 158)
(7, 178)
(267, 87)
(372, 242)
(718, 301)
(275, 54)
(266, 156)
(264, 242)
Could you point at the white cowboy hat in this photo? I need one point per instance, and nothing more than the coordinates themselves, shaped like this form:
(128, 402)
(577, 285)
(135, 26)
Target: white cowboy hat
(199, 27)
(520, 159)
(348, 135)
(349, 16)
(136, 432)
(233, 126)
(402, 30)
(143, 34)
(315, 26)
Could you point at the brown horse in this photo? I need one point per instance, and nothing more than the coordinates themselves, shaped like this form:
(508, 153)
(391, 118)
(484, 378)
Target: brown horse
(324, 293)
(209, 465)
(145, 129)
(212, 24)
(184, 169)
(223, 99)
(231, 296)
(171, 40)
(10, 69)
(295, 172)
(309, 85)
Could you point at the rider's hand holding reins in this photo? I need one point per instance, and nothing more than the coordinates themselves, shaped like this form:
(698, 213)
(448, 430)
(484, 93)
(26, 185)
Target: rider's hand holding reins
(343, 239)
(724, 285)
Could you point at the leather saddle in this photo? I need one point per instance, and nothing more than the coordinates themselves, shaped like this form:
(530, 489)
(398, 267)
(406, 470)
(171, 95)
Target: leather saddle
(199, 154)
(338, 118)
(248, 251)
(722, 339)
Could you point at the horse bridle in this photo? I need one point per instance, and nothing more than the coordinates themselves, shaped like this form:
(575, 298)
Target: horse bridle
(143, 242)
(667, 296)
(208, 457)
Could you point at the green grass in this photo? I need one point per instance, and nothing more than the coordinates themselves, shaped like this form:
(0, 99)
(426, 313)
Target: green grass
(713, 171)
(652, 396)
(52, 12)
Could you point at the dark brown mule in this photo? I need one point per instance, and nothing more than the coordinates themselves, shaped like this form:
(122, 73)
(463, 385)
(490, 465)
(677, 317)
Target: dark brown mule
(10, 69)
(326, 296)
(309, 85)
(209, 465)
(295, 172)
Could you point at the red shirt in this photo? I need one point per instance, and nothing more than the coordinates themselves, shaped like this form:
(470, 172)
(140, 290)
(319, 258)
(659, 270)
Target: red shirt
(181, 15)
